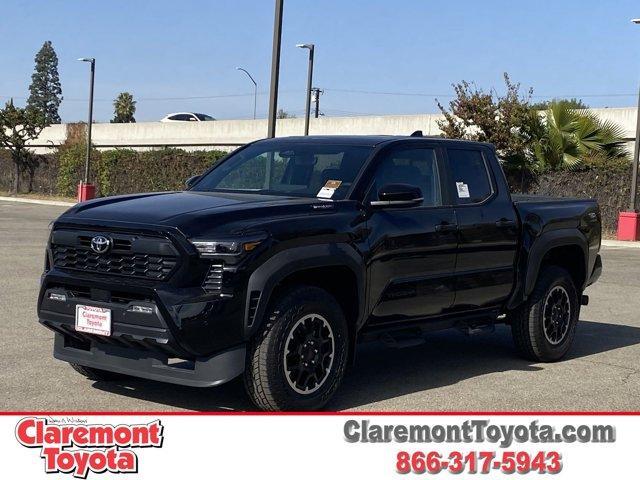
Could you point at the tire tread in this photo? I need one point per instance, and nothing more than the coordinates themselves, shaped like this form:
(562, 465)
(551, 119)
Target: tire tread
(523, 319)
(263, 359)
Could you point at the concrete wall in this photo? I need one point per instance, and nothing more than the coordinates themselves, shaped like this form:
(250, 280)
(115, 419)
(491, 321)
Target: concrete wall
(223, 132)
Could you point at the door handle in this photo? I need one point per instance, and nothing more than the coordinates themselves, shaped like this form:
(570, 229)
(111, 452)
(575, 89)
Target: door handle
(446, 227)
(504, 223)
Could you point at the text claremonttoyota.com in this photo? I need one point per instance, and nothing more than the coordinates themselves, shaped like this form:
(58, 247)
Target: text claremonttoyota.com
(476, 431)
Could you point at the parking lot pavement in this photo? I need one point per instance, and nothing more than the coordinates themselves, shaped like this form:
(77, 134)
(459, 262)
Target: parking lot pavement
(449, 372)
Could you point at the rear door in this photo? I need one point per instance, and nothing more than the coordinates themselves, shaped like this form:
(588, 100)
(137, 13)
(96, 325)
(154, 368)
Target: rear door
(487, 230)
(412, 249)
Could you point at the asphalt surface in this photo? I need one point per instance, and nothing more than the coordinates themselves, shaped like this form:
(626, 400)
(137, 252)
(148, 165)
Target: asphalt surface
(449, 372)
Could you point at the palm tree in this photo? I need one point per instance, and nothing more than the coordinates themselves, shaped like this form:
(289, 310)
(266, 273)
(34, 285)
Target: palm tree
(571, 136)
(124, 108)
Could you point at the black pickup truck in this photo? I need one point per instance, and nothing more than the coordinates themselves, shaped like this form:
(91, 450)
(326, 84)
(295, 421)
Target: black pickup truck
(278, 260)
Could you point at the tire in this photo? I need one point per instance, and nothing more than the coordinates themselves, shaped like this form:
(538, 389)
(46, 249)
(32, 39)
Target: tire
(96, 374)
(538, 334)
(276, 375)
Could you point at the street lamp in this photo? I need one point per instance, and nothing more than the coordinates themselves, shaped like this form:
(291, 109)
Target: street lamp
(255, 90)
(275, 69)
(636, 152)
(629, 221)
(311, 49)
(86, 191)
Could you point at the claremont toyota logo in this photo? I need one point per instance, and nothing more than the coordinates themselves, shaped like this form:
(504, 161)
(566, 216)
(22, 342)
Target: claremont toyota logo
(73, 447)
(100, 244)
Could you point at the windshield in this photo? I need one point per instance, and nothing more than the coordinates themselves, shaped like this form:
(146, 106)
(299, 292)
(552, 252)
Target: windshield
(292, 169)
(204, 118)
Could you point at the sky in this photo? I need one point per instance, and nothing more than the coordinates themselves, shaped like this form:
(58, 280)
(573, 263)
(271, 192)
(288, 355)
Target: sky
(372, 56)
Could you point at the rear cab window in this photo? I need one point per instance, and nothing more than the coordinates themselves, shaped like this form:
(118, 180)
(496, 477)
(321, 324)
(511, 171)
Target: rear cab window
(469, 176)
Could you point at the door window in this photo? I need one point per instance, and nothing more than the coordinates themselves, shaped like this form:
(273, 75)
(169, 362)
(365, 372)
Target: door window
(469, 176)
(412, 166)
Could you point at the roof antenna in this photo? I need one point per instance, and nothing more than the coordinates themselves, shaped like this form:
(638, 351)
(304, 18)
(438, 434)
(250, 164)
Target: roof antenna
(417, 133)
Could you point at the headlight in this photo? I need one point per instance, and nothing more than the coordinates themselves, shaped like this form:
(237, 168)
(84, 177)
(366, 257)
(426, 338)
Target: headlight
(207, 249)
(212, 248)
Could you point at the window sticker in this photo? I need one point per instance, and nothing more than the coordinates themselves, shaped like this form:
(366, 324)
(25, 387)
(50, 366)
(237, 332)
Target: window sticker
(463, 190)
(329, 188)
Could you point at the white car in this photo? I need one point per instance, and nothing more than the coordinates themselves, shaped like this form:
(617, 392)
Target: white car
(187, 117)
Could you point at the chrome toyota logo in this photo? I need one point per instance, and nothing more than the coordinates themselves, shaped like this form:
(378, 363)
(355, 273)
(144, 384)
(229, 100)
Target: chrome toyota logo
(100, 244)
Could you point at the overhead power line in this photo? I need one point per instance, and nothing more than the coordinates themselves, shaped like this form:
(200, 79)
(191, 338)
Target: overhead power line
(370, 92)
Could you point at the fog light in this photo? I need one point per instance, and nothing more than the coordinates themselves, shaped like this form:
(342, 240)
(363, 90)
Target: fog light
(58, 297)
(140, 309)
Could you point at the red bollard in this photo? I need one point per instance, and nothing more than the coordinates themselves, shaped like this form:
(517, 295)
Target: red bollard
(86, 191)
(629, 226)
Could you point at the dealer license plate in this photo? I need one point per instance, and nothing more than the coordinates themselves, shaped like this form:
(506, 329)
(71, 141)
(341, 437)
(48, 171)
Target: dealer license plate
(94, 320)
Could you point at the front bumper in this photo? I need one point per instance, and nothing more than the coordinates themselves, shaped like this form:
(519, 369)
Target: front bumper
(201, 372)
(185, 337)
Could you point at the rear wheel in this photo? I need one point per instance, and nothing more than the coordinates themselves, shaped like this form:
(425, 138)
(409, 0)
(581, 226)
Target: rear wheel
(297, 360)
(543, 329)
(95, 373)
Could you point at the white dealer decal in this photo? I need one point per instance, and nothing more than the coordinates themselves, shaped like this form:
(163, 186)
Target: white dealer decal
(329, 188)
(463, 190)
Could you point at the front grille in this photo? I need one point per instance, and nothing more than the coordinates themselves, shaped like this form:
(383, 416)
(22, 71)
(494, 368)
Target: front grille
(138, 265)
(213, 281)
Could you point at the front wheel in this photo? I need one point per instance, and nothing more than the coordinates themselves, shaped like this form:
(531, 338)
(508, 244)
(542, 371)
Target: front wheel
(297, 359)
(543, 329)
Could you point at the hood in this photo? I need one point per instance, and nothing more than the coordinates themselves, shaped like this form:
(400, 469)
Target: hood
(188, 211)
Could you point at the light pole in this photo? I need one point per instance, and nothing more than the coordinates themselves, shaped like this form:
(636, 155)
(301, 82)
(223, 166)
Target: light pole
(255, 90)
(86, 190)
(636, 151)
(275, 69)
(311, 48)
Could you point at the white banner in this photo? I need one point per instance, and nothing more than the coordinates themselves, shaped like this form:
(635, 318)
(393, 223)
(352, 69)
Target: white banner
(319, 446)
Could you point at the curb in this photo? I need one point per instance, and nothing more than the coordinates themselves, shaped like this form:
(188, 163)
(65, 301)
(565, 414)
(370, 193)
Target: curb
(37, 202)
(620, 244)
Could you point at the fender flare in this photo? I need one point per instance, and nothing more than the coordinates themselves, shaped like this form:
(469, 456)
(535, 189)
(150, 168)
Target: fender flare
(540, 246)
(267, 277)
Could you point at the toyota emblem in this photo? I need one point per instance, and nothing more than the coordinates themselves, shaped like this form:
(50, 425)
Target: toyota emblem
(100, 244)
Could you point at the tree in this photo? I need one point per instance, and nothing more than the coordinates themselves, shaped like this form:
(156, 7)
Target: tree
(284, 114)
(45, 90)
(124, 107)
(574, 103)
(17, 127)
(507, 121)
(573, 136)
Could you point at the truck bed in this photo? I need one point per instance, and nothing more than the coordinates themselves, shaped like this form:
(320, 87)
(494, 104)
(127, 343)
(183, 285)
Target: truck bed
(544, 213)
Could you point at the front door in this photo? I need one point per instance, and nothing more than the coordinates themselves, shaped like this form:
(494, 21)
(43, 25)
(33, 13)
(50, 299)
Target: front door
(412, 249)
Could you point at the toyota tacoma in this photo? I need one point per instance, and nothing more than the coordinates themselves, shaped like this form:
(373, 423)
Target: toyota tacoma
(276, 262)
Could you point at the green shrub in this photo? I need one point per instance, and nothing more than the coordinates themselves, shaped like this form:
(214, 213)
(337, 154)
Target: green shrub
(155, 170)
(108, 167)
(71, 159)
(122, 171)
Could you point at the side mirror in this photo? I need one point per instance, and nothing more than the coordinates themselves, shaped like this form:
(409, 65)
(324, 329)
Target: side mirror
(192, 180)
(398, 195)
